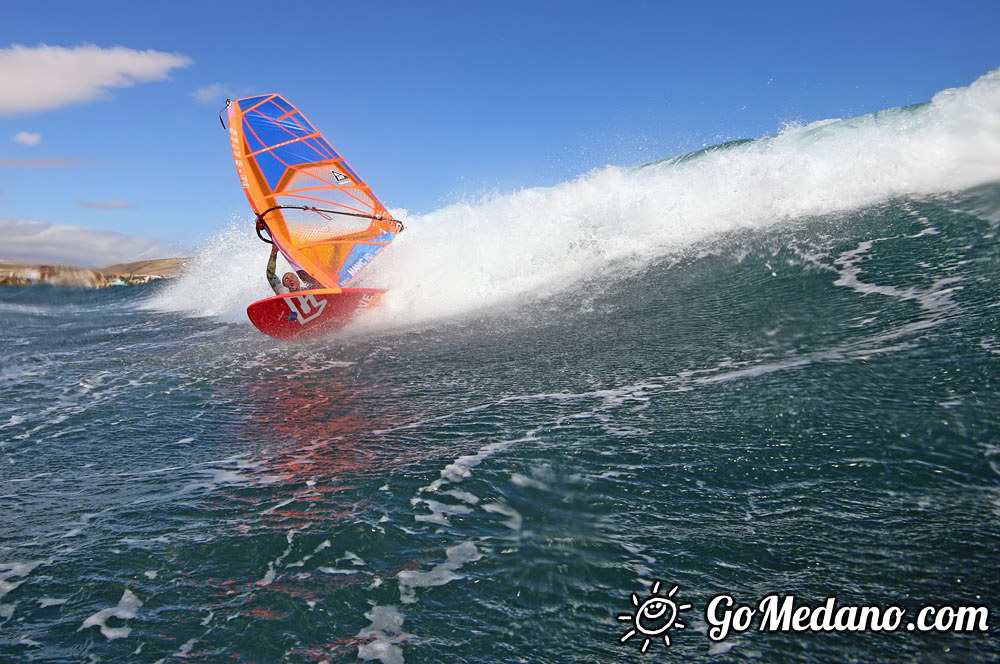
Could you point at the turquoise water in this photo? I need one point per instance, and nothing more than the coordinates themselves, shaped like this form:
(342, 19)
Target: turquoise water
(806, 405)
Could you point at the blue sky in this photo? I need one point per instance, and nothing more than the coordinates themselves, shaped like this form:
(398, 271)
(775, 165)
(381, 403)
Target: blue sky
(434, 102)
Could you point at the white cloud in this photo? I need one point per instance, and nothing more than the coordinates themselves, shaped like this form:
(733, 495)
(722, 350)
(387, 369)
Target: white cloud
(38, 242)
(44, 77)
(42, 162)
(214, 94)
(114, 204)
(27, 138)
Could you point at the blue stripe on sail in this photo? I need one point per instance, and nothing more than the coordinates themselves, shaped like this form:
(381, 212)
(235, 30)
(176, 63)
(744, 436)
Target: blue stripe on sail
(360, 256)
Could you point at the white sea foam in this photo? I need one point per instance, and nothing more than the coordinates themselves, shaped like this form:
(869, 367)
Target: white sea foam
(535, 242)
(440, 574)
(325, 544)
(334, 570)
(127, 608)
(273, 565)
(382, 636)
(13, 421)
(45, 602)
(514, 518)
(9, 571)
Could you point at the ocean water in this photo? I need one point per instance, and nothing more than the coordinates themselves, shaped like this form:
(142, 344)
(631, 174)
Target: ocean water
(768, 368)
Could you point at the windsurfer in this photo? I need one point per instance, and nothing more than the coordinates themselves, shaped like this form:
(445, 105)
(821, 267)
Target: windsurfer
(290, 282)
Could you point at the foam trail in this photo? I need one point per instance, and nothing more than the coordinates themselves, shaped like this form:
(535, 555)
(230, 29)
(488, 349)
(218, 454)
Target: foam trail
(536, 242)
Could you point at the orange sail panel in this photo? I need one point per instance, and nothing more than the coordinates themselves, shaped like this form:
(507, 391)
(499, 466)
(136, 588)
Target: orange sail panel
(320, 214)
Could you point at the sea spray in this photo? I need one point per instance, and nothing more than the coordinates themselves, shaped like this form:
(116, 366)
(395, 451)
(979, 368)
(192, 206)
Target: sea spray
(535, 243)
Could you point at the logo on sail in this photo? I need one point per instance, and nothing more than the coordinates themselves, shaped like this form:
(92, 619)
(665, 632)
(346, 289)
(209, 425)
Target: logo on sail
(360, 263)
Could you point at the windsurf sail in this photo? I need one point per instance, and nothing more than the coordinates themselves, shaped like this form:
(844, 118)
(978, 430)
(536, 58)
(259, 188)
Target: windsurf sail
(321, 215)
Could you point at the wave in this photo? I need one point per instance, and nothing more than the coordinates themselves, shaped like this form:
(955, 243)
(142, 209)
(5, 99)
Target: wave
(535, 243)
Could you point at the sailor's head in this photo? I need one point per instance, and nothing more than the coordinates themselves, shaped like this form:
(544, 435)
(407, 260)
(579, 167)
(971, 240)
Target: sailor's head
(291, 281)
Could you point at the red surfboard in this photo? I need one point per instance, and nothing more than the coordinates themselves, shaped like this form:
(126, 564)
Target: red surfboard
(310, 313)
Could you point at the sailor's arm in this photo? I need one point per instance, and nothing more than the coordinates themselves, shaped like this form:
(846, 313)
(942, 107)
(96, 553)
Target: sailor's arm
(307, 280)
(272, 278)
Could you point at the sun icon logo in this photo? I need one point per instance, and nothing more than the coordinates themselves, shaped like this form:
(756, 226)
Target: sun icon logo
(654, 616)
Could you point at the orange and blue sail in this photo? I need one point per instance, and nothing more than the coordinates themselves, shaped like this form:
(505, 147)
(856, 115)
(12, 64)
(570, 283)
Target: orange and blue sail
(322, 216)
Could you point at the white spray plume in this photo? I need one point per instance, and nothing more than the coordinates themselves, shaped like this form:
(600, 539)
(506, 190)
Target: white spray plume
(536, 242)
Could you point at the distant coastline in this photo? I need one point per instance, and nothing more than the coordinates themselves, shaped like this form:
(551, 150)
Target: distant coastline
(119, 274)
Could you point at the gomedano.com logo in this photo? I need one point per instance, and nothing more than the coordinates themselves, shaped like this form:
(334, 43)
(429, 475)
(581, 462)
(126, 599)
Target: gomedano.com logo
(781, 613)
(655, 616)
